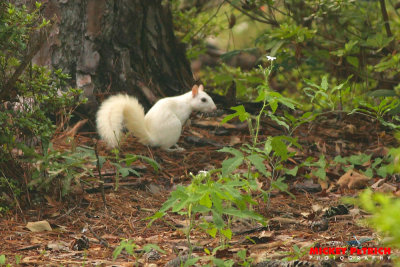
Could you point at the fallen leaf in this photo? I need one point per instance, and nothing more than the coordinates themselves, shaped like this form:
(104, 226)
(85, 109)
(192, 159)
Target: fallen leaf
(378, 184)
(39, 226)
(386, 188)
(353, 180)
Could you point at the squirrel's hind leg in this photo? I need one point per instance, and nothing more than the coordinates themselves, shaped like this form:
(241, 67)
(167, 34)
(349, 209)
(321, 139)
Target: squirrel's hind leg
(176, 149)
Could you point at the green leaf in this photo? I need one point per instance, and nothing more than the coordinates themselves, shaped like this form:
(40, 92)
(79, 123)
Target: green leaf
(227, 233)
(124, 171)
(352, 60)
(276, 47)
(279, 121)
(149, 247)
(282, 186)
(293, 171)
(261, 95)
(217, 219)
(3, 259)
(320, 173)
(240, 112)
(212, 232)
(279, 147)
(359, 159)
(324, 82)
(191, 262)
(258, 162)
(382, 171)
(382, 93)
(206, 201)
(274, 105)
(242, 254)
(245, 214)
(339, 159)
(229, 165)
(150, 161)
(368, 172)
(232, 151)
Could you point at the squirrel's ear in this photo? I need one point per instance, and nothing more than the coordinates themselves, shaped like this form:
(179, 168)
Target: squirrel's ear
(195, 90)
(201, 87)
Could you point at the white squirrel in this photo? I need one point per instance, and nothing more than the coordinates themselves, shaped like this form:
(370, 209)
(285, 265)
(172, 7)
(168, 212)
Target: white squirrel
(161, 126)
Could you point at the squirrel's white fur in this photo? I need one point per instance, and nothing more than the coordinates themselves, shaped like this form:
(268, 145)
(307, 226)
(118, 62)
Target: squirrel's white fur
(161, 126)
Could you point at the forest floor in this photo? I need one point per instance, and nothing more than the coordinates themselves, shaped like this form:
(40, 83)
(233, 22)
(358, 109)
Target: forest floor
(85, 232)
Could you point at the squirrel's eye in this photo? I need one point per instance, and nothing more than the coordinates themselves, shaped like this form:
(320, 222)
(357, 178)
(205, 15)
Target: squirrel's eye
(204, 99)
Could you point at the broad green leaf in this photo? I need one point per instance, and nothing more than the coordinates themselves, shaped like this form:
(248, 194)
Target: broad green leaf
(376, 162)
(227, 233)
(279, 147)
(149, 247)
(206, 201)
(276, 47)
(258, 162)
(382, 171)
(240, 112)
(320, 173)
(292, 171)
(339, 159)
(191, 262)
(274, 105)
(212, 232)
(150, 161)
(279, 121)
(217, 201)
(359, 159)
(230, 165)
(3, 259)
(282, 186)
(232, 151)
(217, 219)
(124, 171)
(368, 172)
(245, 214)
(261, 95)
(353, 61)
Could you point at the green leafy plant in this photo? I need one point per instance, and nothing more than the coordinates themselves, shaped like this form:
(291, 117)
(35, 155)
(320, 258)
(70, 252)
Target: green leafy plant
(222, 77)
(36, 102)
(385, 216)
(245, 260)
(326, 97)
(274, 150)
(193, 23)
(380, 111)
(318, 168)
(210, 259)
(129, 246)
(121, 165)
(379, 166)
(297, 253)
(62, 168)
(225, 197)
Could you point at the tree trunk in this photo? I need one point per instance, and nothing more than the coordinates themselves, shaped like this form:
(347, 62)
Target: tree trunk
(117, 46)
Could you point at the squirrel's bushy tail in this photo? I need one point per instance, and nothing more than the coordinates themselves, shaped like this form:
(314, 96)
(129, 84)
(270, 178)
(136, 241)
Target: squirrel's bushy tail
(117, 111)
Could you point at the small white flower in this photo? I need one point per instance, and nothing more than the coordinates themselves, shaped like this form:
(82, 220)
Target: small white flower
(271, 58)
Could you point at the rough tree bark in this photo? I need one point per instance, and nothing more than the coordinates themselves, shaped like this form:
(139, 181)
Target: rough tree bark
(117, 45)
